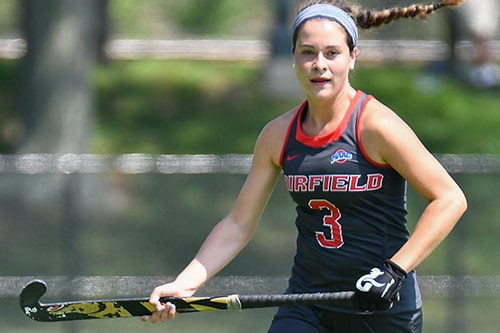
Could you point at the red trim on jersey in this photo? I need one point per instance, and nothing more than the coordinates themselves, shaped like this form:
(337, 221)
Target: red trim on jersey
(321, 140)
(289, 131)
(358, 137)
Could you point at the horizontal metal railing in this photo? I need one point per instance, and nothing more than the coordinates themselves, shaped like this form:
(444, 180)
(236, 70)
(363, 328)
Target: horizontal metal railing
(189, 164)
(442, 286)
(258, 50)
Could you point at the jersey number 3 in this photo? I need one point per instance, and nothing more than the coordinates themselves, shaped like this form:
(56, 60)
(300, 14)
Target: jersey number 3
(331, 221)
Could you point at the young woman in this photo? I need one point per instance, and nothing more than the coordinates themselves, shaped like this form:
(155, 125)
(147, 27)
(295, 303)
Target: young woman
(346, 159)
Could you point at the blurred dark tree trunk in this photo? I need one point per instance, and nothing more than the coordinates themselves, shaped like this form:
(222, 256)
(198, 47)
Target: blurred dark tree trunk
(281, 39)
(279, 69)
(454, 22)
(65, 39)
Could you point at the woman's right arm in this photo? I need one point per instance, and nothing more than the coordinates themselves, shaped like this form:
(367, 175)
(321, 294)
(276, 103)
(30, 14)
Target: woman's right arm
(235, 230)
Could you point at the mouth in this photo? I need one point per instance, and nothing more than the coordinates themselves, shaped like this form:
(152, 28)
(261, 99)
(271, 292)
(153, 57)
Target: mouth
(320, 80)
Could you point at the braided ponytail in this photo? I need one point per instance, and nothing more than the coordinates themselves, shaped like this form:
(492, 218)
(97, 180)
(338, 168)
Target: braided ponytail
(366, 18)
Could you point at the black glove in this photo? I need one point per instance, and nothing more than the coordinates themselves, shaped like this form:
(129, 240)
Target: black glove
(379, 289)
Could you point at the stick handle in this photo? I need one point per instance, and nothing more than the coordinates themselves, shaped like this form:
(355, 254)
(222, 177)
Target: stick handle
(261, 301)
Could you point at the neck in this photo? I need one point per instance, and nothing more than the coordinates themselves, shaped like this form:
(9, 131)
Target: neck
(329, 107)
(323, 116)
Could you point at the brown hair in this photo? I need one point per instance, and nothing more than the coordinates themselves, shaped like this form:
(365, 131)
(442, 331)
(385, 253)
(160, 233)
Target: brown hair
(368, 18)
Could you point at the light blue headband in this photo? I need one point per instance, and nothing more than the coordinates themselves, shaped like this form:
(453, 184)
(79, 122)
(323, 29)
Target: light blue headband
(330, 12)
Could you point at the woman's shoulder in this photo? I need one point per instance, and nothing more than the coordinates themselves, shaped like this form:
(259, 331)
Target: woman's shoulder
(377, 115)
(274, 133)
(382, 131)
(279, 125)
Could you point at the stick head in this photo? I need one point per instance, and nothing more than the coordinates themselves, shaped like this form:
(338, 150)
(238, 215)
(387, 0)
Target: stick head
(29, 299)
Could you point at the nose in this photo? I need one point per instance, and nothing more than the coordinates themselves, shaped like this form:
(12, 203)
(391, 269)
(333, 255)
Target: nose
(319, 64)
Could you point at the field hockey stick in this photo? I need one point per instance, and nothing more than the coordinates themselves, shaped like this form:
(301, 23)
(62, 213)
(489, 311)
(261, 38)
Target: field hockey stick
(29, 301)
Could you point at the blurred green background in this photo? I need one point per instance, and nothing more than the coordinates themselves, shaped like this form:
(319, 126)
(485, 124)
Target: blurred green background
(152, 224)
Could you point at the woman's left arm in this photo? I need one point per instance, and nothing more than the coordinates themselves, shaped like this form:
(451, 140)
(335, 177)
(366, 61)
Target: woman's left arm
(389, 140)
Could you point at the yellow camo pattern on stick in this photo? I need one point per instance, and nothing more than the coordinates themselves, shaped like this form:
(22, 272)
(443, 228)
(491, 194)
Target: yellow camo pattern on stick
(92, 309)
(98, 309)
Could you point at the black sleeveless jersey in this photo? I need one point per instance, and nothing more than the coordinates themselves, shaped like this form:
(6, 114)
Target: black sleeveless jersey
(351, 211)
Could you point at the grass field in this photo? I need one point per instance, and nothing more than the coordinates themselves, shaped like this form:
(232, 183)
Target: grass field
(193, 107)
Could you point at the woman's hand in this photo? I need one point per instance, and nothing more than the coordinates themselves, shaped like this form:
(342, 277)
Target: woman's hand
(166, 311)
(379, 289)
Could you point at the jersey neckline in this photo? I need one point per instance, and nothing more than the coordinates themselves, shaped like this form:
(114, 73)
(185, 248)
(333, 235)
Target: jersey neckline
(321, 140)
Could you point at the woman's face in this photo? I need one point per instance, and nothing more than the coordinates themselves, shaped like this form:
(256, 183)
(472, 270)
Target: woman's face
(322, 58)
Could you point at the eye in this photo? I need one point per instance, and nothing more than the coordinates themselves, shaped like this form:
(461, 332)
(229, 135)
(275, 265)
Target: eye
(332, 54)
(306, 52)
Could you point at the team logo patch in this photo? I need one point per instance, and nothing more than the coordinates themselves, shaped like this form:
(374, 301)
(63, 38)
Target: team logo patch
(340, 157)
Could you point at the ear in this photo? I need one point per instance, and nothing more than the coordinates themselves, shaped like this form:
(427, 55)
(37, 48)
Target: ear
(354, 55)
